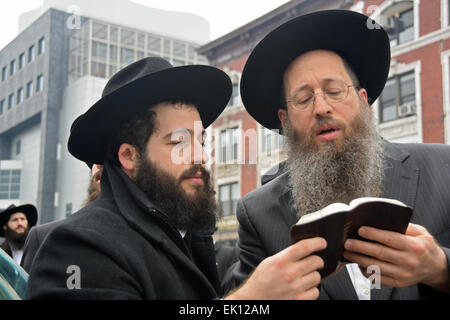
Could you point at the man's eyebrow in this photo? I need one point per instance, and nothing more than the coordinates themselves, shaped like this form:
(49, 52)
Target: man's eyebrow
(181, 132)
(322, 81)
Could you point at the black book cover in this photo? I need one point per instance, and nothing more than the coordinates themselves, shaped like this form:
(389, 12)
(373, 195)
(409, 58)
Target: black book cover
(338, 226)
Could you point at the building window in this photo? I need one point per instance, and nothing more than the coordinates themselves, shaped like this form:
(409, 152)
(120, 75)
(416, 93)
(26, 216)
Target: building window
(18, 146)
(68, 209)
(229, 140)
(399, 22)
(398, 97)
(2, 106)
(31, 53)
(271, 141)
(20, 96)
(40, 83)
(228, 196)
(29, 89)
(41, 46)
(234, 100)
(4, 73)
(21, 60)
(11, 101)
(99, 50)
(98, 69)
(10, 184)
(12, 67)
(126, 56)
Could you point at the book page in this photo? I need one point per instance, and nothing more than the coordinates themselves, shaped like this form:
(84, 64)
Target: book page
(356, 202)
(330, 209)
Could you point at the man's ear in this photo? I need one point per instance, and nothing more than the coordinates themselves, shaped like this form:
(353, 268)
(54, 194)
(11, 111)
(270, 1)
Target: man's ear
(363, 95)
(4, 228)
(282, 115)
(128, 157)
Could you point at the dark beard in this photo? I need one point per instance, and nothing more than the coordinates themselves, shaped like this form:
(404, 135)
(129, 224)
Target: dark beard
(17, 240)
(94, 188)
(319, 177)
(191, 213)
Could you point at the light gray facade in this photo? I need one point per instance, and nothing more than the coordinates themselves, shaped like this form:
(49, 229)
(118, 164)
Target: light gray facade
(31, 116)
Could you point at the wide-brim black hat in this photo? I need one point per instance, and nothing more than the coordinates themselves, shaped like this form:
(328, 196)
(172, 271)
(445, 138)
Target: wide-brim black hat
(28, 209)
(71, 128)
(355, 37)
(139, 86)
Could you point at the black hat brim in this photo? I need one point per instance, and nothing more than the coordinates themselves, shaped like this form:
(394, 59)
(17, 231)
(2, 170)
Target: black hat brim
(353, 36)
(29, 211)
(207, 88)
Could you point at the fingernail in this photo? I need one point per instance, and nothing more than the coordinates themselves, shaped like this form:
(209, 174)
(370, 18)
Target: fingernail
(362, 231)
(348, 244)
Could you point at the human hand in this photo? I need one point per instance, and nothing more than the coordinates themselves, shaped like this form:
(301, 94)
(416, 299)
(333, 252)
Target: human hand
(404, 259)
(290, 274)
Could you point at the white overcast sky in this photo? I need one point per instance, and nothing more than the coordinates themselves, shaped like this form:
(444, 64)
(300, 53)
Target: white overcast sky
(223, 15)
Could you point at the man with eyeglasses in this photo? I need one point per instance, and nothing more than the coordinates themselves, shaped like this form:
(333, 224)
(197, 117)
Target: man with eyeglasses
(326, 69)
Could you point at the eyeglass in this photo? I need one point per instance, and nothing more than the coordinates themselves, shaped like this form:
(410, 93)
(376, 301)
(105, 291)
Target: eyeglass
(333, 92)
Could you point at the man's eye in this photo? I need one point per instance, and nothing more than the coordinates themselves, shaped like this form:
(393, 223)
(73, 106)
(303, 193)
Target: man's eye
(333, 92)
(303, 100)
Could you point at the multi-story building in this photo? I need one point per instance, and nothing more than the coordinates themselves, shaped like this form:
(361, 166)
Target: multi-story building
(54, 70)
(413, 107)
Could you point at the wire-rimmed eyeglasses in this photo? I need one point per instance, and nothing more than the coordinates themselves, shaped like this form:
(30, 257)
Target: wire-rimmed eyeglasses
(333, 91)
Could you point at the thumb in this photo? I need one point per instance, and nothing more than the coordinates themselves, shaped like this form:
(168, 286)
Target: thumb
(415, 230)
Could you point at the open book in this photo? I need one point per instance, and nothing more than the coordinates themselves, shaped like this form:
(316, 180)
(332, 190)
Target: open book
(338, 222)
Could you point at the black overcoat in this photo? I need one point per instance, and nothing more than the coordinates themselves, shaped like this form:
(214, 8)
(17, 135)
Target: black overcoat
(122, 247)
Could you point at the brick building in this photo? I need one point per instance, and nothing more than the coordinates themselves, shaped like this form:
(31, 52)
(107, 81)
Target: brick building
(412, 108)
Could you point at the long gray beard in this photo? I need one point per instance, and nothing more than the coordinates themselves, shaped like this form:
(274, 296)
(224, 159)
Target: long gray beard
(321, 177)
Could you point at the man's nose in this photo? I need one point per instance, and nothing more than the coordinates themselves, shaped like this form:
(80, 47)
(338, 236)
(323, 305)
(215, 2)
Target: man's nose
(321, 106)
(199, 155)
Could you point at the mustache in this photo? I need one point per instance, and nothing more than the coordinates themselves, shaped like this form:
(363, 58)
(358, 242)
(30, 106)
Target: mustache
(205, 175)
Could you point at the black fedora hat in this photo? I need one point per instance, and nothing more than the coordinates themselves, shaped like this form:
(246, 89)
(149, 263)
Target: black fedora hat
(71, 128)
(28, 209)
(355, 37)
(139, 86)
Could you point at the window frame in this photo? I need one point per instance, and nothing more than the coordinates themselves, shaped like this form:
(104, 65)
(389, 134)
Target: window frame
(31, 53)
(12, 67)
(229, 152)
(40, 83)
(231, 207)
(399, 98)
(41, 46)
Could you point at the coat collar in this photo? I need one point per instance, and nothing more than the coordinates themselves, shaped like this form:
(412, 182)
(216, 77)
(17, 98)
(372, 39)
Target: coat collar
(143, 216)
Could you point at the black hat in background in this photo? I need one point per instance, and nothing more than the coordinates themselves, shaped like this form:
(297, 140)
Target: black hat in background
(137, 87)
(355, 37)
(28, 209)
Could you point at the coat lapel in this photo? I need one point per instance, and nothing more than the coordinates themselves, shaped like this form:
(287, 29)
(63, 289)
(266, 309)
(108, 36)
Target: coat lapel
(339, 286)
(400, 182)
(287, 209)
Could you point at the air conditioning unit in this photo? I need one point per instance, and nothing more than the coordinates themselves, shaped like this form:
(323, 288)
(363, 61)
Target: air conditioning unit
(406, 109)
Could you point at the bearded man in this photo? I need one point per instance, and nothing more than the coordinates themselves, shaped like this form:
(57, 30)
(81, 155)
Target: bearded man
(15, 223)
(317, 85)
(148, 235)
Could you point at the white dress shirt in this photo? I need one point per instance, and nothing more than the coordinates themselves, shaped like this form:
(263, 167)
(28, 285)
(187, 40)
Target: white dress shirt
(360, 282)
